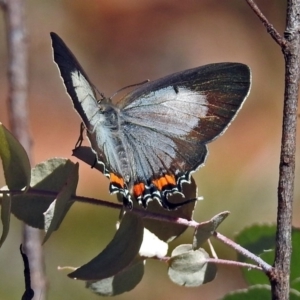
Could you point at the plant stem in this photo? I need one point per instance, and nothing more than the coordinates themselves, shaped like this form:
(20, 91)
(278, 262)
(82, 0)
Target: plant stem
(266, 267)
(155, 216)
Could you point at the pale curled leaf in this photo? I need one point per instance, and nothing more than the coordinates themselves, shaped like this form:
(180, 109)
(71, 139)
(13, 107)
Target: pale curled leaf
(5, 216)
(206, 229)
(152, 246)
(48, 215)
(183, 248)
(50, 175)
(190, 267)
(118, 254)
(60, 206)
(15, 161)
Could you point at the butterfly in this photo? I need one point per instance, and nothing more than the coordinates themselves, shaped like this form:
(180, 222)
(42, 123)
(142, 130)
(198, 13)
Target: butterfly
(154, 138)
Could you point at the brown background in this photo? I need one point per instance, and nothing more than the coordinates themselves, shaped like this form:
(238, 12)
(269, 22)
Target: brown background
(123, 42)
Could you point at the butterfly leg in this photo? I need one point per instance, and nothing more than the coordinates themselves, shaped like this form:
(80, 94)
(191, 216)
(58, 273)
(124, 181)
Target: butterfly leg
(80, 138)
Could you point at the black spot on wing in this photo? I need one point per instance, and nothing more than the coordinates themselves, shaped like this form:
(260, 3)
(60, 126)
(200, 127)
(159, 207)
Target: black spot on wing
(175, 87)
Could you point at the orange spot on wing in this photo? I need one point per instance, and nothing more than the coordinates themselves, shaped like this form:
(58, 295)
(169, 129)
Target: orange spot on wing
(138, 189)
(171, 179)
(163, 181)
(116, 180)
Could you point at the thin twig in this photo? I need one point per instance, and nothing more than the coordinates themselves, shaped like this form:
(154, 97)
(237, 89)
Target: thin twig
(278, 38)
(232, 263)
(266, 267)
(151, 215)
(212, 249)
(3, 4)
(218, 262)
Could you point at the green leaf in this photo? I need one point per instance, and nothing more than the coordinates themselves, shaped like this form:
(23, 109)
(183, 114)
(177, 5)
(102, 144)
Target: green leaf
(257, 238)
(188, 267)
(295, 284)
(295, 260)
(294, 295)
(15, 161)
(5, 216)
(61, 205)
(257, 292)
(118, 254)
(260, 240)
(122, 282)
(206, 229)
(50, 176)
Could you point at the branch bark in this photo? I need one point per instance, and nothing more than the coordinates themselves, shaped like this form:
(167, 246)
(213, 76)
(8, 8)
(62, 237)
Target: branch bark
(18, 121)
(290, 45)
(280, 281)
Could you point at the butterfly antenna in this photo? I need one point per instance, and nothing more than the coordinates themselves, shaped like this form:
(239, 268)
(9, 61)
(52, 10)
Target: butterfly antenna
(128, 86)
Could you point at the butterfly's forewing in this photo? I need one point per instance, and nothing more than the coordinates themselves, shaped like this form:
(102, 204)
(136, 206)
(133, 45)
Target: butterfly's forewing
(75, 79)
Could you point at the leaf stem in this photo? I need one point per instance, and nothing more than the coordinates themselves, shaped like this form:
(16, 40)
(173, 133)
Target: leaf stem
(233, 263)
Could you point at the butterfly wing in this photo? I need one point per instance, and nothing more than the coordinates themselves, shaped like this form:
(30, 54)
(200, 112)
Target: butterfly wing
(157, 135)
(76, 81)
(168, 122)
(99, 122)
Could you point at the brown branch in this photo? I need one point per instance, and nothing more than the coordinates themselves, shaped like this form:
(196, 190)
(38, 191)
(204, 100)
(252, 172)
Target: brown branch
(18, 120)
(280, 280)
(278, 38)
(3, 5)
(290, 45)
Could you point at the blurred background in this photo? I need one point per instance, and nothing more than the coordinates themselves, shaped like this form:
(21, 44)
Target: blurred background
(119, 43)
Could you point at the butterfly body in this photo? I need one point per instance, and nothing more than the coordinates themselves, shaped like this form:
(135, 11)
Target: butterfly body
(155, 136)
